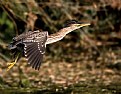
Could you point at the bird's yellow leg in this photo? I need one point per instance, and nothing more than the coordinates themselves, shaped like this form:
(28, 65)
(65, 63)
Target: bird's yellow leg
(10, 65)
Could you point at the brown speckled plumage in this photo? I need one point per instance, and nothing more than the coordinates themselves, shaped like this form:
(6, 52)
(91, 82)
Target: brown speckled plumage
(34, 43)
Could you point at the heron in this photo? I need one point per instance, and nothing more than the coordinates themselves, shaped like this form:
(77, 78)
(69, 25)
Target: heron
(33, 43)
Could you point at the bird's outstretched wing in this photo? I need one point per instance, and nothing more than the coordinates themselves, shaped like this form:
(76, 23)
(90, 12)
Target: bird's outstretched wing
(34, 48)
(34, 53)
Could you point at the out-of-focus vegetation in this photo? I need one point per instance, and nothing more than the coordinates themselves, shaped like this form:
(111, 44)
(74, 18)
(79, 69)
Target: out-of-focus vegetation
(92, 54)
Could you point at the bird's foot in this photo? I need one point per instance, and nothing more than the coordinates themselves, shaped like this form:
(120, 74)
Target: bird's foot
(10, 65)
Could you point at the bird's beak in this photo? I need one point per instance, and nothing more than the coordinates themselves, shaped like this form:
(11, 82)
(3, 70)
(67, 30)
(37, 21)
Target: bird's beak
(84, 24)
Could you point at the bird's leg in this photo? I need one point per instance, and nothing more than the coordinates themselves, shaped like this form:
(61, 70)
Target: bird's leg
(10, 65)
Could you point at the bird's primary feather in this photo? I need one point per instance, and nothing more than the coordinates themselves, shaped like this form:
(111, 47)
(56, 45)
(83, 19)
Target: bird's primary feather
(34, 53)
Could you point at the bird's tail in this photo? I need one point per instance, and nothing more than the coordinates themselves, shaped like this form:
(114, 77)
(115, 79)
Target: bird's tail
(16, 47)
(12, 46)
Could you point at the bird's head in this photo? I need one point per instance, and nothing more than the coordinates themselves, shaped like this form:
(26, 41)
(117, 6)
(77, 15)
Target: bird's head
(73, 24)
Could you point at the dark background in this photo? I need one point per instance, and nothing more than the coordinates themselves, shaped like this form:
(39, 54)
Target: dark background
(92, 54)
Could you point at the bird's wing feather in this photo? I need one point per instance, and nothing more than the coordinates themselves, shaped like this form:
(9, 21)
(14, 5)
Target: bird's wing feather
(35, 48)
(34, 53)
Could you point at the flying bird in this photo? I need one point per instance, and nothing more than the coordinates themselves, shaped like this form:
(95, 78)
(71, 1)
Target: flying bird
(33, 43)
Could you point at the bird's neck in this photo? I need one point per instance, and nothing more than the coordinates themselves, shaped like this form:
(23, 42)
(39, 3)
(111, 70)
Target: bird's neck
(59, 35)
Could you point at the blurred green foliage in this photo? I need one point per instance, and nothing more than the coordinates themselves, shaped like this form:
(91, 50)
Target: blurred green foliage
(6, 28)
